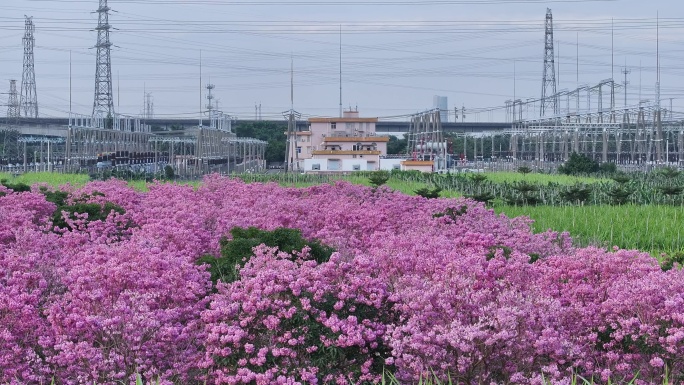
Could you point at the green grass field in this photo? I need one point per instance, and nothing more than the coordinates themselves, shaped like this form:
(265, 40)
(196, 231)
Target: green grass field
(53, 179)
(656, 229)
(510, 177)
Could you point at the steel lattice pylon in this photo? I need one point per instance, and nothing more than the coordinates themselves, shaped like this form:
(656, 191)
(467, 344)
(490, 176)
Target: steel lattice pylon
(29, 98)
(549, 101)
(103, 104)
(13, 101)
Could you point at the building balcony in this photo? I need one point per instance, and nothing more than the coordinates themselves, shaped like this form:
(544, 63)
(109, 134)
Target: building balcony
(345, 152)
(352, 138)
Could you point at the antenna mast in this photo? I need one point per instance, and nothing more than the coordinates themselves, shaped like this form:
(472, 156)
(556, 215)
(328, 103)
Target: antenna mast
(340, 70)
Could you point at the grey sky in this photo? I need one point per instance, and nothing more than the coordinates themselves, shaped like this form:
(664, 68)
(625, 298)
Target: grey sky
(396, 54)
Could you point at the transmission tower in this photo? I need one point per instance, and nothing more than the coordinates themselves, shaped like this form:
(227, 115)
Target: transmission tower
(29, 98)
(549, 101)
(104, 101)
(13, 101)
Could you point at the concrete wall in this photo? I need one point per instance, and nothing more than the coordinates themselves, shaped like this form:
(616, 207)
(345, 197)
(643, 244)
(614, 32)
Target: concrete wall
(338, 165)
(390, 164)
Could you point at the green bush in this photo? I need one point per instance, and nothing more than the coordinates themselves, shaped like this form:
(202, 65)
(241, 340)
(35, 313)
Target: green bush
(95, 211)
(169, 173)
(236, 252)
(16, 187)
(579, 164)
(608, 168)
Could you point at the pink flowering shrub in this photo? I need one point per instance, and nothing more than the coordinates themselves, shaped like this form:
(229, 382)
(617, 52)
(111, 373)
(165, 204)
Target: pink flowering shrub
(292, 320)
(130, 307)
(27, 281)
(416, 285)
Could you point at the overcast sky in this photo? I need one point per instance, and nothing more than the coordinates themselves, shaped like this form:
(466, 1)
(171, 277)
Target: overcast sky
(396, 54)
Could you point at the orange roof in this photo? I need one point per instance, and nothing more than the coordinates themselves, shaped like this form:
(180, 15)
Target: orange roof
(417, 163)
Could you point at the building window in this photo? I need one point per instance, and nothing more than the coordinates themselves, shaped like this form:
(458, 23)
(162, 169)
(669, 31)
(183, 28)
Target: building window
(299, 150)
(333, 126)
(357, 167)
(316, 166)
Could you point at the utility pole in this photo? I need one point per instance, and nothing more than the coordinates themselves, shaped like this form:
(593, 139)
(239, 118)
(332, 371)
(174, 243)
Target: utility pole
(341, 70)
(149, 106)
(626, 72)
(292, 155)
(548, 96)
(29, 99)
(103, 104)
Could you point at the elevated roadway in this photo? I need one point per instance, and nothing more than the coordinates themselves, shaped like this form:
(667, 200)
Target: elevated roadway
(57, 126)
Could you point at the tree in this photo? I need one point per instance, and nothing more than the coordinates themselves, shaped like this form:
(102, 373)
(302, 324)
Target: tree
(579, 164)
(168, 172)
(378, 178)
(578, 193)
(396, 146)
(429, 193)
(271, 132)
(524, 170)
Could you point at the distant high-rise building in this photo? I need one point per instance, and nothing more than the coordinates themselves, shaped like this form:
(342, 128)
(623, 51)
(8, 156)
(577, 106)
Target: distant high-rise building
(441, 102)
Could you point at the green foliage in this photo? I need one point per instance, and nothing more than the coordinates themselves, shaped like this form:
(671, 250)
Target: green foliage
(608, 168)
(273, 133)
(57, 197)
(236, 252)
(524, 170)
(478, 178)
(672, 260)
(621, 178)
(429, 193)
(95, 211)
(452, 212)
(396, 146)
(505, 252)
(579, 164)
(16, 187)
(169, 174)
(525, 194)
(378, 178)
(671, 191)
(619, 195)
(576, 194)
(670, 172)
(484, 197)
